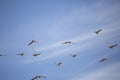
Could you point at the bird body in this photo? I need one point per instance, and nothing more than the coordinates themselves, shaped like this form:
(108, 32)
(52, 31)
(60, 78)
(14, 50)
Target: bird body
(112, 46)
(73, 55)
(67, 42)
(20, 54)
(2, 55)
(97, 32)
(36, 54)
(58, 64)
(33, 41)
(104, 59)
(38, 77)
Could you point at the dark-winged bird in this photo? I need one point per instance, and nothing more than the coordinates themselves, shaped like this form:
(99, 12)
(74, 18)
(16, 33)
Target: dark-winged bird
(73, 55)
(20, 54)
(97, 32)
(41, 76)
(103, 59)
(36, 54)
(112, 46)
(58, 64)
(38, 77)
(2, 55)
(33, 41)
(67, 42)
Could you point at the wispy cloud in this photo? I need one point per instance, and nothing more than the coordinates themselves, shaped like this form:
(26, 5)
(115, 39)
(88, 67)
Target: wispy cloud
(85, 41)
(110, 72)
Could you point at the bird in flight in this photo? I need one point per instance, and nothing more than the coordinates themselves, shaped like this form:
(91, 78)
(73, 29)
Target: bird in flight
(38, 77)
(103, 59)
(2, 55)
(36, 54)
(33, 41)
(73, 55)
(59, 64)
(112, 46)
(67, 42)
(97, 32)
(20, 54)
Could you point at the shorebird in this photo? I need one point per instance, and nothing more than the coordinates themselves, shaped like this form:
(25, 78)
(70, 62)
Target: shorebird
(112, 46)
(36, 54)
(20, 54)
(97, 32)
(67, 42)
(104, 59)
(73, 55)
(38, 77)
(2, 55)
(58, 64)
(33, 41)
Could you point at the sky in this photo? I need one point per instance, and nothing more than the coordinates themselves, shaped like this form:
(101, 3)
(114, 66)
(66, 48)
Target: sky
(52, 22)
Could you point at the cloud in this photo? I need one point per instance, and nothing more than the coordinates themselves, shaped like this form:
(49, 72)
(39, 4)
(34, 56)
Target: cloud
(82, 43)
(110, 72)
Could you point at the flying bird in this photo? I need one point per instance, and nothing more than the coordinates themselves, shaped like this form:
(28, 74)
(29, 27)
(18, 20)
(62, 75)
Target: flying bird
(34, 78)
(67, 42)
(104, 59)
(73, 55)
(97, 32)
(38, 77)
(33, 41)
(2, 55)
(41, 76)
(36, 54)
(20, 54)
(112, 46)
(58, 64)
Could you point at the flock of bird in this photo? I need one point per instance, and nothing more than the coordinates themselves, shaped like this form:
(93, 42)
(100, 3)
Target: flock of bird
(59, 64)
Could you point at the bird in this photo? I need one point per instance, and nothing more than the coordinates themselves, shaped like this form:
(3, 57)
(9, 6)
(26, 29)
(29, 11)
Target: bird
(34, 78)
(67, 42)
(38, 77)
(103, 59)
(97, 32)
(33, 41)
(58, 64)
(2, 55)
(41, 76)
(20, 54)
(36, 54)
(112, 46)
(73, 55)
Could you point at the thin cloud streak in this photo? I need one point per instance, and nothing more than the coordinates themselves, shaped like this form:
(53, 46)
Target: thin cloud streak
(110, 72)
(84, 44)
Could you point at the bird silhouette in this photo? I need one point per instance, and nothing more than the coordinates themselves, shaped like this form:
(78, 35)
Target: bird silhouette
(112, 46)
(36, 54)
(97, 32)
(20, 54)
(38, 77)
(2, 55)
(33, 41)
(59, 64)
(103, 59)
(73, 55)
(67, 42)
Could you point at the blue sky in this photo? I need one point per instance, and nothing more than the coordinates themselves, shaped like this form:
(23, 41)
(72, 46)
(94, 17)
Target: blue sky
(50, 23)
